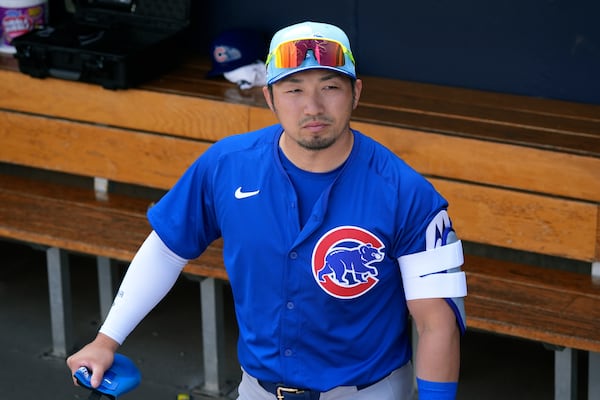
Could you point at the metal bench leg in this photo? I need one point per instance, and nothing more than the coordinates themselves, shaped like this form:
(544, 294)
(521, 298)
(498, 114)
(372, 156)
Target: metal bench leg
(107, 284)
(213, 329)
(565, 374)
(594, 358)
(596, 269)
(594, 376)
(59, 288)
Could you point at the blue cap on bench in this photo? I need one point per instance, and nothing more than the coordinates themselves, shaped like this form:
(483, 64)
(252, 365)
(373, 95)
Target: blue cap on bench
(236, 48)
(122, 377)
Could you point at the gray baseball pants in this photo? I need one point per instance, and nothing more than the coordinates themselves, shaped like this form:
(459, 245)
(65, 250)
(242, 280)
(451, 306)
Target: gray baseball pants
(399, 385)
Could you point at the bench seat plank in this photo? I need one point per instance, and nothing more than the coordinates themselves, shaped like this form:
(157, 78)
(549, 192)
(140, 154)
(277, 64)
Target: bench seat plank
(28, 139)
(417, 97)
(68, 224)
(398, 93)
(523, 221)
(584, 144)
(194, 117)
(522, 167)
(93, 150)
(498, 164)
(553, 306)
(500, 117)
(562, 126)
(71, 218)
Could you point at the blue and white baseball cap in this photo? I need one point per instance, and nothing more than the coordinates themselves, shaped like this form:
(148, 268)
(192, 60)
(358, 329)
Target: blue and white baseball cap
(309, 45)
(236, 48)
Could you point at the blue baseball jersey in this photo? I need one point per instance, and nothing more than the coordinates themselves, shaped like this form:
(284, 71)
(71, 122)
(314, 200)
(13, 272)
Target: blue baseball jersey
(321, 304)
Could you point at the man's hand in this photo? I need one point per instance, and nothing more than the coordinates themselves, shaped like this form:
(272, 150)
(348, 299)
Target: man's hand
(97, 356)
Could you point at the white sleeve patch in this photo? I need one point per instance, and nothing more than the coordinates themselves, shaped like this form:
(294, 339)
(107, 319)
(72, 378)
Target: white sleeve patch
(435, 230)
(431, 261)
(435, 272)
(426, 274)
(448, 285)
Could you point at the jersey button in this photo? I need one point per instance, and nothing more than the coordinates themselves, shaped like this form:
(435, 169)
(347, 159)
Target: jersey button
(288, 352)
(293, 255)
(290, 305)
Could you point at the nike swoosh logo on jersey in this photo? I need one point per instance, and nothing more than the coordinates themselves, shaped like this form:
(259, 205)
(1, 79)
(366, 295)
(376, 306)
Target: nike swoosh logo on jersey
(242, 195)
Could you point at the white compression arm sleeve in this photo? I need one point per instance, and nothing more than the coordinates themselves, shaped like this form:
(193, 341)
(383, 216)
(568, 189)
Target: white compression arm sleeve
(151, 274)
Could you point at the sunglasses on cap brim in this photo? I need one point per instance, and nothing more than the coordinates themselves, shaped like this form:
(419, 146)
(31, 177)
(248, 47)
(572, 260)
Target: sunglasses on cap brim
(327, 52)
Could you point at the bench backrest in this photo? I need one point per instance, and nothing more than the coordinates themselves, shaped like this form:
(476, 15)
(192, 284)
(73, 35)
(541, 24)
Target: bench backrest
(501, 193)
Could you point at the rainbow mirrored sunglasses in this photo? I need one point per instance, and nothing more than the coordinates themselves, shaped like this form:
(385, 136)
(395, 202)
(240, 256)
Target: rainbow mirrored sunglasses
(327, 52)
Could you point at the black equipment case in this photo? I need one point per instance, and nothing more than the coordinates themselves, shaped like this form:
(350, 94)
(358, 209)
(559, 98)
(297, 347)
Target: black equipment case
(113, 43)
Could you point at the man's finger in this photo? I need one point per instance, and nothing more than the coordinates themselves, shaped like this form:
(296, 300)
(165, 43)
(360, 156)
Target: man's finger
(96, 378)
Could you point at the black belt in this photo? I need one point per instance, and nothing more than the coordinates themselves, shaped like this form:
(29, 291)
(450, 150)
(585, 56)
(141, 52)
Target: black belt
(287, 393)
(283, 392)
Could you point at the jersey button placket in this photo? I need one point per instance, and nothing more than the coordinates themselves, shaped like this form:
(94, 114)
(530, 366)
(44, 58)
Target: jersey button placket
(290, 327)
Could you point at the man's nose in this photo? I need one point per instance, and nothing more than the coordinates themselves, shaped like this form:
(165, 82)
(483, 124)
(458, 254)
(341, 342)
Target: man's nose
(313, 104)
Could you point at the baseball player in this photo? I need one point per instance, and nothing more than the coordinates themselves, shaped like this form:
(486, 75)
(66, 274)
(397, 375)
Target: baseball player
(330, 242)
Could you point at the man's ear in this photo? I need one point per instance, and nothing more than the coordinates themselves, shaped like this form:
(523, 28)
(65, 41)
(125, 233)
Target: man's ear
(268, 97)
(357, 92)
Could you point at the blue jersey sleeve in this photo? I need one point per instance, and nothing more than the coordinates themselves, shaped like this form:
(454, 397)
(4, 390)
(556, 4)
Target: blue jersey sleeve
(420, 203)
(185, 217)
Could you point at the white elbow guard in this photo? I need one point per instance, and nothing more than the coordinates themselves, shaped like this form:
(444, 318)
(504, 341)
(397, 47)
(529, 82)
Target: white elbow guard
(434, 273)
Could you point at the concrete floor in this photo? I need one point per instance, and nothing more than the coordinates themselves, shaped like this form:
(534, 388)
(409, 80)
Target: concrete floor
(167, 345)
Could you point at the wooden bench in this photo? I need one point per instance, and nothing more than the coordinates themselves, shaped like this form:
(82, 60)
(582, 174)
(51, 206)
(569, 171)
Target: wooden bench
(521, 174)
(95, 136)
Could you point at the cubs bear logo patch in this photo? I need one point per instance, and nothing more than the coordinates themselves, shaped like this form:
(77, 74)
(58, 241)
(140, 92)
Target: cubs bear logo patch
(344, 261)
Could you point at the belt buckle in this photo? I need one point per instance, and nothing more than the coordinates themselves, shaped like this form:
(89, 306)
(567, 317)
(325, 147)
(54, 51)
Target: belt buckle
(282, 390)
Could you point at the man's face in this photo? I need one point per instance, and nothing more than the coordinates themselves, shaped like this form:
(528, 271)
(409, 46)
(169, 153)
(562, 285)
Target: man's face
(314, 106)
